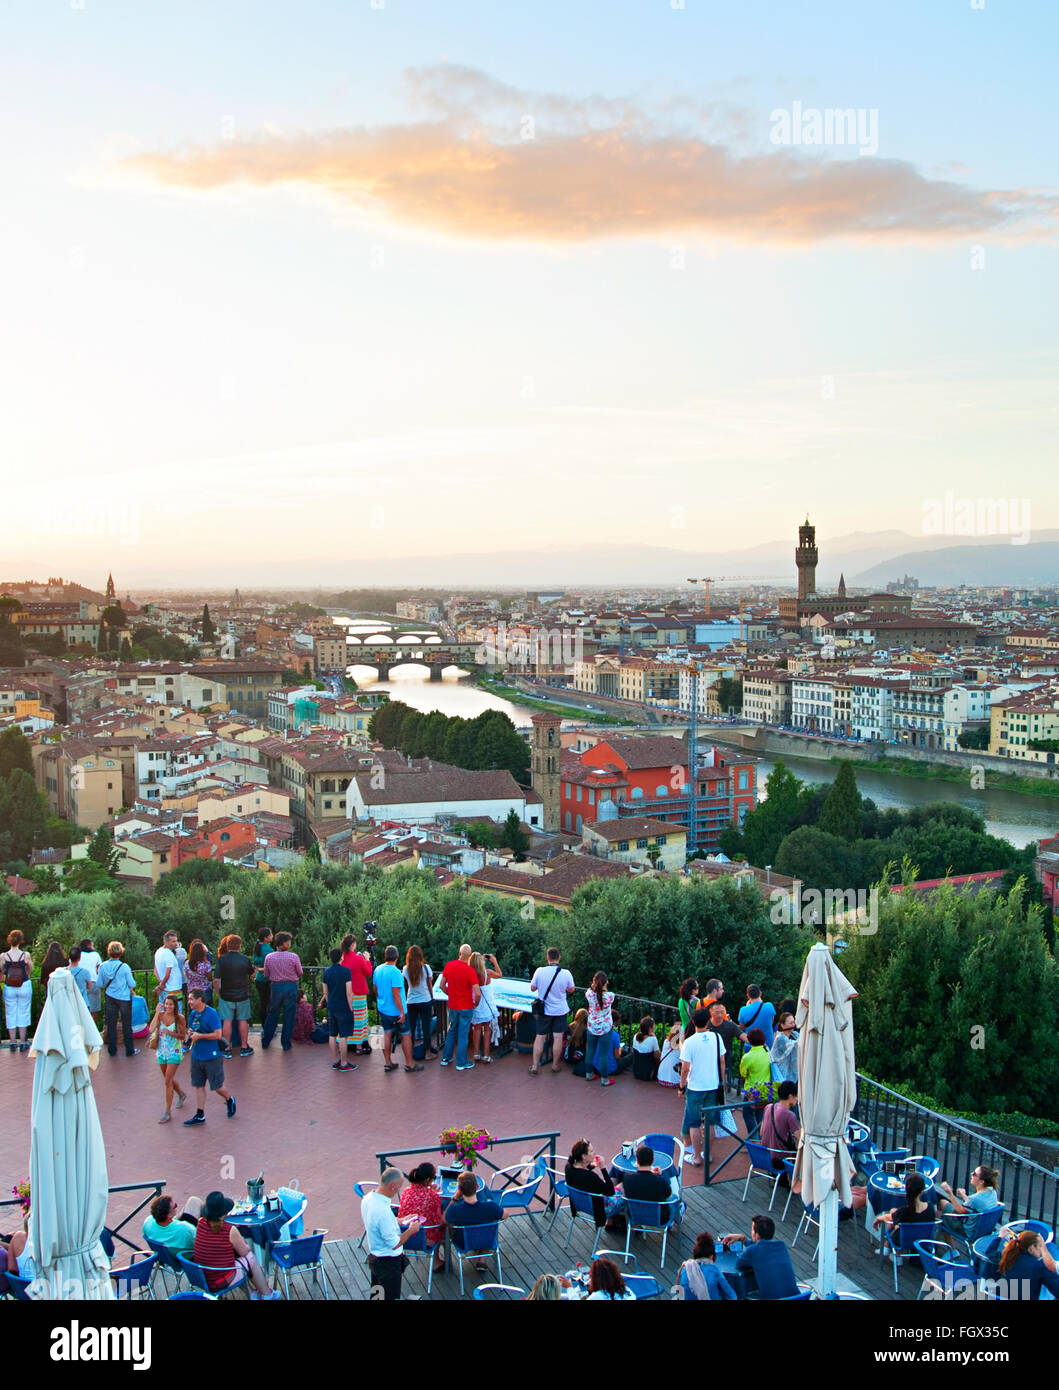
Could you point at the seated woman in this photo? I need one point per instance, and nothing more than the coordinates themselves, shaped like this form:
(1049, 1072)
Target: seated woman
(1026, 1268)
(605, 1282)
(645, 1050)
(586, 1172)
(700, 1279)
(576, 1037)
(915, 1209)
(220, 1246)
(959, 1211)
(19, 1260)
(421, 1198)
(669, 1059)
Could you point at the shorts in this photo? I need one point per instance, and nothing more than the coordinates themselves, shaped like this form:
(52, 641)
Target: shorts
(209, 1072)
(392, 1024)
(340, 1025)
(547, 1024)
(233, 1009)
(694, 1104)
(17, 1001)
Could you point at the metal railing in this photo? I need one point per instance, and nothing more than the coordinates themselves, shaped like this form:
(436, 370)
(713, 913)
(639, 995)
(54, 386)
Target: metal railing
(153, 1190)
(1027, 1190)
(527, 1161)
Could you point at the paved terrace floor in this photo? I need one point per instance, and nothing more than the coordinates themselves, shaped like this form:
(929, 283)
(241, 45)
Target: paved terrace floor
(298, 1119)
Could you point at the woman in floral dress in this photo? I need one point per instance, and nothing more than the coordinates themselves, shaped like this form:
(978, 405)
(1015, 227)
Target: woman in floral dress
(170, 1029)
(421, 1198)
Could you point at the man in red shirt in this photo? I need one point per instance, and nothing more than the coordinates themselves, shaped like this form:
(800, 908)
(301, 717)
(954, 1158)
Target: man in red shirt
(462, 990)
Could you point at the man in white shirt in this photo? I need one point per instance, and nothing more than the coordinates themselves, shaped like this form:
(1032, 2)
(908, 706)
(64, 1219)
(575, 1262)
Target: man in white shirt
(551, 984)
(167, 969)
(701, 1083)
(384, 1236)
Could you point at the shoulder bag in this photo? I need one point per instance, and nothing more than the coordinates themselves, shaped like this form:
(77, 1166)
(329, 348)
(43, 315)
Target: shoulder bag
(538, 1003)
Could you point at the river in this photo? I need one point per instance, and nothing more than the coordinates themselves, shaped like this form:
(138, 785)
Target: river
(451, 695)
(1010, 815)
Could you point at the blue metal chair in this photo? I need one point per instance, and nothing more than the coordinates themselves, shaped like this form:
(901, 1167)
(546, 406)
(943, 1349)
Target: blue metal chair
(804, 1293)
(136, 1274)
(580, 1208)
(303, 1253)
(761, 1167)
(903, 1247)
(650, 1218)
(929, 1167)
(481, 1242)
(1016, 1227)
(788, 1168)
(294, 1204)
(17, 1288)
(872, 1161)
(973, 1225)
(517, 1198)
(166, 1261)
(189, 1294)
(938, 1266)
(416, 1246)
(644, 1285)
(196, 1276)
(668, 1144)
(559, 1188)
(484, 1292)
(858, 1136)
(361, 1190)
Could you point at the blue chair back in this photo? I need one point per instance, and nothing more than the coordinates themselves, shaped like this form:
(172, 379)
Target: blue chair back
(643, 1285)
(417, 1244)
(799, 1297)
(662, 1144)
(18, 1287)
(873, 1161)
(196, 1276)
(167, 1257)
(302, 1250)
(760, 1157)
(986, 1224)
(136, 1272)
(294, 1202)
(191, 1294)
(651, 1215)
(482, 1239)
(484, 1292)
(1041, 1227)
(909, 1232)
(107, 1242)
(942, 1270)
(581, 1203)
(520, 1198)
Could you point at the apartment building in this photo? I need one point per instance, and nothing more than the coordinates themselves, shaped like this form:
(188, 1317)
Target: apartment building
(767, 696)
(813, 703)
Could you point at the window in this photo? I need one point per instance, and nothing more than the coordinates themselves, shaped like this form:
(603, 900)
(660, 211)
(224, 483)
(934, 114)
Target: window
(579, 791)
(567, 820)
(591, 796)
(163, 858)
(224, 836)
(623, 845)
(637, 794)
(110, 786)
(641, 844)
(663, 790)
(722, 788)
(327, 805)
(743, 776)
(577, 826)
(660, 839)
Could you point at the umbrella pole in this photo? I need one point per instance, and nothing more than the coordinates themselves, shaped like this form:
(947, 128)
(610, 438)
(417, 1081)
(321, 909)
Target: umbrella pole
(827, 1259)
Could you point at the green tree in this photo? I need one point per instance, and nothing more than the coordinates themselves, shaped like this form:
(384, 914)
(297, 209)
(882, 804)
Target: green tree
(86, 876)
(730, 694)
(14, 752)
(207, 631)
(482, 833)
(22, 816)
(820, 860)
(514, 836)
(125, 650)
(101, 850)
(841, 811)
(11, 653)
(974, 738)
(768, 823)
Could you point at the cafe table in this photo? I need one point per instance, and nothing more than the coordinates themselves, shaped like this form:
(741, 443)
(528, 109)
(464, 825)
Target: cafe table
(257, 1226)
(621, 1166)
(447, 1187)
(725, 1261)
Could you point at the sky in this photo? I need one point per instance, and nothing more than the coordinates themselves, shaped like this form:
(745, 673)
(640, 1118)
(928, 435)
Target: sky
(302, 288)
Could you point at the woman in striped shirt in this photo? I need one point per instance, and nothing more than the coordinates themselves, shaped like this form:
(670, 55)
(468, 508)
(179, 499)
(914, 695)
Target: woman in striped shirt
(224, 1252)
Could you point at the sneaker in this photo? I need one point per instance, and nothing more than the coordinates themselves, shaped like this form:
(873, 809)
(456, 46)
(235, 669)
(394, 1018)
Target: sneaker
(246, 1052)
(25, 1048)
(609, 1081)
(346, 1066)
(265, 1046)
(468, 1067)
(391, 1066)
(165, 1118)
(265, 1297)
(226, 1053)
(288, 1047)
(591, 1076)
(231, 1106)
(180, 1101)
(694, 1160)
(419, 1067)
(134, 1053)
(197, 1119)
(444, 1063)
(336, 1066)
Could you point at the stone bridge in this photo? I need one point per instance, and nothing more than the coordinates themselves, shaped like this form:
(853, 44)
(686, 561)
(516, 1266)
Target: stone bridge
(436, 656)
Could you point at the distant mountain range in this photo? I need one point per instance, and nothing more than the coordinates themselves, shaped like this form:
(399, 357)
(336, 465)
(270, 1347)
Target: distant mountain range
(980, 561)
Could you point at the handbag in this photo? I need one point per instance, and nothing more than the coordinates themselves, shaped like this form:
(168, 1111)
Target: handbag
(538, 1003)
(724, 1125)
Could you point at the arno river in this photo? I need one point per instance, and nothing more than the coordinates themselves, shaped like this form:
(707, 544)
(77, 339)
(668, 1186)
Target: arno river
(1016, 817)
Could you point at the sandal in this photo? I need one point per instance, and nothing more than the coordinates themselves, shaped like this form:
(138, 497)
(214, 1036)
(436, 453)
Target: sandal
(487, 1060)
(534, 1071)
(556, 1069)
(478, 1057)
(165, 1118)
(391, 1066)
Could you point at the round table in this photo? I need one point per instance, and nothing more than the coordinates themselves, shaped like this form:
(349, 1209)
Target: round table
(258, 1230)
(621, 1167)
(725, 1262)
(886, 1192)
(447, 1186)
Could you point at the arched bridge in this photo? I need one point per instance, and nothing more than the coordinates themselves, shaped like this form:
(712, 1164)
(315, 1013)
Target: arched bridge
(436, 656)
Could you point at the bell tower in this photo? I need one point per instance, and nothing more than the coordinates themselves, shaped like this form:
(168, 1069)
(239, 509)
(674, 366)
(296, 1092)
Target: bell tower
(805, 557)
(112, 594)
(547, 752)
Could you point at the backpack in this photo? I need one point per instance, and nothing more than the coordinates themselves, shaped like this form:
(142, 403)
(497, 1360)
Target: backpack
(15, 975)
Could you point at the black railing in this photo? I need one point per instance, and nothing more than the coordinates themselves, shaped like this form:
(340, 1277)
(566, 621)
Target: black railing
(1028, 1191)
(153, 1190)
(545, 1145)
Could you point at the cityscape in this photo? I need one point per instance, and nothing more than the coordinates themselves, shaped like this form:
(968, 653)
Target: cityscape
(524, 583)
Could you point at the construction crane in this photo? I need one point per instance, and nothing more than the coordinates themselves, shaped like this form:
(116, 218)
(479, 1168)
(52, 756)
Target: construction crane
(739, 578)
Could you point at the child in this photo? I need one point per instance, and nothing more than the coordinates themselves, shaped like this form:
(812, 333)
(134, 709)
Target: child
(304, 1022)
(646, 1052)
(669, 1062)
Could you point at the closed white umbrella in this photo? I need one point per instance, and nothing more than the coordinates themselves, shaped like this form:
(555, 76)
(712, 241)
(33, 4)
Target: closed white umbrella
(827, 1093)
(67, 1160)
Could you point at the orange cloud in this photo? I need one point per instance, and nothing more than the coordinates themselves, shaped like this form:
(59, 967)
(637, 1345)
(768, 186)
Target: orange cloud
(601, 168)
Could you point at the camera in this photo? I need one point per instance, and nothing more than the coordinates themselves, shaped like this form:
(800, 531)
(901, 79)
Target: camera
(370, 930)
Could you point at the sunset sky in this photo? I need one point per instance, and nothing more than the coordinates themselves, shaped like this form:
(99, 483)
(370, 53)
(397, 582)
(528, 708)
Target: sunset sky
(287, 282)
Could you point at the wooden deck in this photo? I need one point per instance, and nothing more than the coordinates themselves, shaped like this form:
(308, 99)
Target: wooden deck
(533, 1246)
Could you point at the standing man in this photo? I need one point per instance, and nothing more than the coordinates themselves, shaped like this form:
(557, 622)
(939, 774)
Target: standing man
(261, 950)
(283, 970)
(384, 1236)
(756, 1013)
(701, 1083)
(168, 970)
(390, 993)
(233, 973)
(462, 991)
(725, 1028)
(551, 984)
(207, 1064)
(338, 984)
